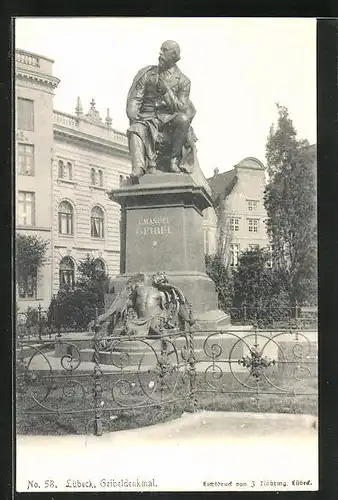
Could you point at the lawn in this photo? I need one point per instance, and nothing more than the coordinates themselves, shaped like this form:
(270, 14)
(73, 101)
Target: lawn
(131, 400)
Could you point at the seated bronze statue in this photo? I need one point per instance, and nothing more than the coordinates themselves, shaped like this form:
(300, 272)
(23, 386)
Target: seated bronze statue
(160, 113)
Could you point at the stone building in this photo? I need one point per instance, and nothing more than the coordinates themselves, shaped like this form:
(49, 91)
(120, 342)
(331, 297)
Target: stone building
(65, 164)
(35, 85)
(238, 200)
(89, 159)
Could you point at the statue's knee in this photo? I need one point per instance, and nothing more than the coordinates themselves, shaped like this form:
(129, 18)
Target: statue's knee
(183, 119)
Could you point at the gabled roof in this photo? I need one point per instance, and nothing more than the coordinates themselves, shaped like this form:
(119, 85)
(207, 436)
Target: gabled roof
(222, 184)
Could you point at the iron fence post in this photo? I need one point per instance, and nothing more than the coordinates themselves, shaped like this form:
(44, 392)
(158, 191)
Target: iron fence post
(21, 360)
(97, 382)
(39, 321)
(192, 369)
(163, 359)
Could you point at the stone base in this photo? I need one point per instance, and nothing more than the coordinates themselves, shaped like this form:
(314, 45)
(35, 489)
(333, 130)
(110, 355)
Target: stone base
(144, 353)
(213, 320)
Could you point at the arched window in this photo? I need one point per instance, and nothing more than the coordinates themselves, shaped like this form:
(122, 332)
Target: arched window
(121, 180)
(101, 178)
(66, 214)
(100, 265)
(93, 176)
(97, 223)
(69, 171)
(61, 169)
(66, 271)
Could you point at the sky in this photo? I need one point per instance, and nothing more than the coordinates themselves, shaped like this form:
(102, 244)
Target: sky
(239, 68)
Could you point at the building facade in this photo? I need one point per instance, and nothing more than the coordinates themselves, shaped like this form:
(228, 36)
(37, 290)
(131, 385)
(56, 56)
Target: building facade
(35, 86)
(238, 196)
(89, 159)
(65, 166)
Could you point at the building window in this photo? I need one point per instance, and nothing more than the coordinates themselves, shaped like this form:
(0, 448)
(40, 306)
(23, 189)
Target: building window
(65, 171)
(100, 265)
(252, 205)
(69, 171)
(66, 214)
(121, 180)
(96, 177)
(61, 169)
(97, 223)
(100, 178)
(26, 159)
(25, 114)
(253, 225)
(234, 253)
(92, 176)
(66, 270)
(234, 224)
(26, 211)
(27, 287)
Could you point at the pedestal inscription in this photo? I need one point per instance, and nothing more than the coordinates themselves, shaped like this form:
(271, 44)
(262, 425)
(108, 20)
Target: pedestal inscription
(153, 226)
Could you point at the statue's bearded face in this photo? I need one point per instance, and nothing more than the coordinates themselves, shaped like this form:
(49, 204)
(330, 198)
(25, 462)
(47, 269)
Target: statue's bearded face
(169, 54)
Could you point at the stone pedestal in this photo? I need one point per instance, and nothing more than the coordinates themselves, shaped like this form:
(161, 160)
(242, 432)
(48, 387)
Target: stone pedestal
(162, 230)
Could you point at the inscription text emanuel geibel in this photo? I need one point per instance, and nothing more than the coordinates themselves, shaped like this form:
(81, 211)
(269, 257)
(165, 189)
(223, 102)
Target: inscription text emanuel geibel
(153, 226)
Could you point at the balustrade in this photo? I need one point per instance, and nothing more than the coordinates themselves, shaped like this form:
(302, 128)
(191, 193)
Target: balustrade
(29, 59)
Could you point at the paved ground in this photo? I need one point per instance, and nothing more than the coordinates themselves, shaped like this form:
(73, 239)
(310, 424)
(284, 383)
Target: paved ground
(240, 451)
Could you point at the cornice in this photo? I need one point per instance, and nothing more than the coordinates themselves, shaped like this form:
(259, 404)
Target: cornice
(48, 80)
(97, 143)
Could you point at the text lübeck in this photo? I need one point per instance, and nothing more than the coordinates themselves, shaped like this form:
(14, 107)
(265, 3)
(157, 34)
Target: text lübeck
(76, 483)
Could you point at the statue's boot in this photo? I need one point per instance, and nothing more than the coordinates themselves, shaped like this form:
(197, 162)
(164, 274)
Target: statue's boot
(174, 166)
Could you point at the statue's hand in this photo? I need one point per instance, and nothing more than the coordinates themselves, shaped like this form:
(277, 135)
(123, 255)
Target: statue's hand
(132, 118)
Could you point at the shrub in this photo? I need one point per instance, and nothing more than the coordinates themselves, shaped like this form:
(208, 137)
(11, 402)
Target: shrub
(74, 307)
(222, 277)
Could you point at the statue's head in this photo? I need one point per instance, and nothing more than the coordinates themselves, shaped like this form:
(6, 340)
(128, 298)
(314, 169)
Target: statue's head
(169, 54)
(159, 278)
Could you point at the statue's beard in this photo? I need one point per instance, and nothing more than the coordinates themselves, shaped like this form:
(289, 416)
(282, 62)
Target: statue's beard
(165, 64)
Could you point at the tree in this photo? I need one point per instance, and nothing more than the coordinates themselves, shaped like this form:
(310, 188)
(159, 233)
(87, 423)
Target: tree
(74, 308)
(220, 273)
(290, 202)
(30, 257)
(259, 288)
(92, 278)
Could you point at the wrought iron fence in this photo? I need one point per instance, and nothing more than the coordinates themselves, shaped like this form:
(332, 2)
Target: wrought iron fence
(33, 324)
(102, 383)
(275, 317)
